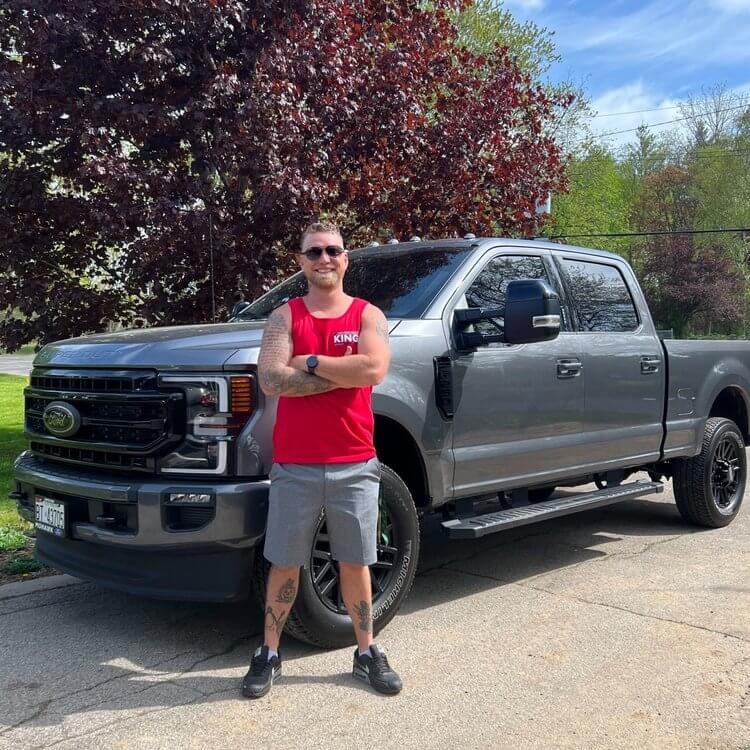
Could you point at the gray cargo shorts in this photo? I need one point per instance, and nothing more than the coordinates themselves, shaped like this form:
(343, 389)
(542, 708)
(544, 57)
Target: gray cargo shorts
(349, 495)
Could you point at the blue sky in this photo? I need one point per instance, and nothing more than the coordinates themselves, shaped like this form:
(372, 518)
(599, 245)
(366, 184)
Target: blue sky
(642, 55)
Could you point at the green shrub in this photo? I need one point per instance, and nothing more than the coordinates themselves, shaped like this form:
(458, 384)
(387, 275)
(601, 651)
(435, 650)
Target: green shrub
(22, 564)
(11, 539)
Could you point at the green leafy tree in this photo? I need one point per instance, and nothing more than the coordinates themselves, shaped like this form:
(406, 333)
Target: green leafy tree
(595, 204)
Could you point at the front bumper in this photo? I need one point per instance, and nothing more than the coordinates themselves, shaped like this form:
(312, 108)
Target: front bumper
(148, 553)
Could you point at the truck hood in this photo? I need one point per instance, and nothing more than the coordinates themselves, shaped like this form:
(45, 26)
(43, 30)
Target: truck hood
(197, 347)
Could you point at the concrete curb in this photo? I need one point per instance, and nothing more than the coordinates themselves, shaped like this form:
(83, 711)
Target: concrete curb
(46, 583)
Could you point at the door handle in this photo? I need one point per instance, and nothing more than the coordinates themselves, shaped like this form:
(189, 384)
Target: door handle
(650, 365)
(569, 368)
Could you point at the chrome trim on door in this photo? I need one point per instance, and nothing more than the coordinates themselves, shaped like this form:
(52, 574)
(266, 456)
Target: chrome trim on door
(569, 368)
(650, 365)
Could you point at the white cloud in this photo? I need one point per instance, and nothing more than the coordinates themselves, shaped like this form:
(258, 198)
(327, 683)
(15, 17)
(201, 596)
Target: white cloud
(627, 107)
(537, 4)
(732, 6)
(684, 33)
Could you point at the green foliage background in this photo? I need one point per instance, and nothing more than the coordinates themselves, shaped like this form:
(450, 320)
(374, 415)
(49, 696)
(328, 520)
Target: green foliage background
(12, 443)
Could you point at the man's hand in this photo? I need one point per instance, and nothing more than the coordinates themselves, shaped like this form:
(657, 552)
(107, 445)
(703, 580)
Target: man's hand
(276, 376)
(369, 366)
(300, 361)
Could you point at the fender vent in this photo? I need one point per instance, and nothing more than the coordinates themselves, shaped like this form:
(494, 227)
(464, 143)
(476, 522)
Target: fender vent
(444, 386)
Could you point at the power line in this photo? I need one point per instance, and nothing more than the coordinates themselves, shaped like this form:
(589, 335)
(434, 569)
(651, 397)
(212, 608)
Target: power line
(664, 122)
(660, 157)
(647, 234)
(637, 111)
(642, 111)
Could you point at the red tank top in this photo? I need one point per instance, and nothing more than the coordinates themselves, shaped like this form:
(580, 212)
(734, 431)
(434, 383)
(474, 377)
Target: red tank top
(325, 428)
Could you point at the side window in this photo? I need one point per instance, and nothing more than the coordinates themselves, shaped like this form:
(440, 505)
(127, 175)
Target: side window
(489, 288)
(600, 296)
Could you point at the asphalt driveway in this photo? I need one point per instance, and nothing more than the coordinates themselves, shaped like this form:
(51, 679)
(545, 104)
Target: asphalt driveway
(618, 628)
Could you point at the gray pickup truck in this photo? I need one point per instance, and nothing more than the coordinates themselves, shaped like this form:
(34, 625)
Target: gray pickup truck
(518, 367)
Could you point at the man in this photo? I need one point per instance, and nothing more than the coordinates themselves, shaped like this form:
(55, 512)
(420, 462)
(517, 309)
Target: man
(321, 354)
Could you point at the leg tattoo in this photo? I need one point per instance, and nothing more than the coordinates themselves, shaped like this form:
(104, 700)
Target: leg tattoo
(274, 622)
(365, 617)
(287, 592)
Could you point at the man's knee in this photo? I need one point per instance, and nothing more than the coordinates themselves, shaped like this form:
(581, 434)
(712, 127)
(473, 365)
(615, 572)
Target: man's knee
(353, 568)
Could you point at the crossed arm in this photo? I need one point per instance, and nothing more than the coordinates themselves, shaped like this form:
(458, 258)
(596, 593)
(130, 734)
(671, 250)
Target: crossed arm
(281, 374)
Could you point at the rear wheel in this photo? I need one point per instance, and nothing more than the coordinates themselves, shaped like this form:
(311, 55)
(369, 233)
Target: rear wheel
(319, 615)
(709, 487)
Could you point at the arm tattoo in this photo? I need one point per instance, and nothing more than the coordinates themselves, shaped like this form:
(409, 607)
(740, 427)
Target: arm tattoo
(287, 592)
(273, 621)
(273, 363)
(365, 618)
(381, 328)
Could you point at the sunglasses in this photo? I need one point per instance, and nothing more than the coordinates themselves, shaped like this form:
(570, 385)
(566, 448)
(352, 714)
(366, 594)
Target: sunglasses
(313, 253)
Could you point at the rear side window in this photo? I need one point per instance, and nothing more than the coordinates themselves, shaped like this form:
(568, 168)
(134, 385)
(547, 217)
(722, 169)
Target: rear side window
(600, 296)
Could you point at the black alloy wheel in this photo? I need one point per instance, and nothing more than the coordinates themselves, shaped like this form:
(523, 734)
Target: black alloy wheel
(726, 475)
(709, 487)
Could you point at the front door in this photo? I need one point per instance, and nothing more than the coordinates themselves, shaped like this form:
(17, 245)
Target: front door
(518, 409)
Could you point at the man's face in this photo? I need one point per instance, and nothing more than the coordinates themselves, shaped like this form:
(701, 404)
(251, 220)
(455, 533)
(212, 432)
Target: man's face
(324, 272)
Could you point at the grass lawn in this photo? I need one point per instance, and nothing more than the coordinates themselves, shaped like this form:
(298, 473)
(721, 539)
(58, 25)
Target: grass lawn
(25, 349)
(16, 548)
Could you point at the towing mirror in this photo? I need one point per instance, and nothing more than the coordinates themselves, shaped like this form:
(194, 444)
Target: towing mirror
(531, 313)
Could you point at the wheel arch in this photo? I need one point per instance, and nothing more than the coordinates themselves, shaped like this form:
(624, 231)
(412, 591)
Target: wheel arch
(731, 403)
(397, 448)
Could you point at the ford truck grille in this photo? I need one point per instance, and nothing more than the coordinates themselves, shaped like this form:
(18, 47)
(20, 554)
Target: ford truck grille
(106, 419)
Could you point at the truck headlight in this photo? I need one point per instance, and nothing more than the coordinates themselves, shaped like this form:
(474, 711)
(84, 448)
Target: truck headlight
(216, 409)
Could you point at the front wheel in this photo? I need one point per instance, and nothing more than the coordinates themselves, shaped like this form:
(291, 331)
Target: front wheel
(319, 616)
(709, 487)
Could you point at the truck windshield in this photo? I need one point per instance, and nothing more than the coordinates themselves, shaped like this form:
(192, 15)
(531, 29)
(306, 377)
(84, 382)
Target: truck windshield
(401, 282)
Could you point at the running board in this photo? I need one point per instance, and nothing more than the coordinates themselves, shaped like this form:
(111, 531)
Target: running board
(489, 523)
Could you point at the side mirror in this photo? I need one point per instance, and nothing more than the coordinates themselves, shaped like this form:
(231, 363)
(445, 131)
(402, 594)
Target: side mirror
(532, 312)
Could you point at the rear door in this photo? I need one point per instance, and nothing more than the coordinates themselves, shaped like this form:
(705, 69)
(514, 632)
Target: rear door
(622, 359)
(518, 409)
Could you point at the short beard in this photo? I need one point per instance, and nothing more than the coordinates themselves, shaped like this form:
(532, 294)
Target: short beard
(324, 282)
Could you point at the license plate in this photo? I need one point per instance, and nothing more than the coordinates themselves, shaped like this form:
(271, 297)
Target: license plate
(49, 515)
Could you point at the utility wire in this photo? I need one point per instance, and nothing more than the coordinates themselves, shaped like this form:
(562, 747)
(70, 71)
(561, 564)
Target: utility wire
(647, 234)
(211, 250)
(642, 111)
(636, 111)
(664, 122)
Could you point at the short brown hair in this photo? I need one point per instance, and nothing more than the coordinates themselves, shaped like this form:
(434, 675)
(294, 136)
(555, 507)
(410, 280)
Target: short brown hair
(319, 226)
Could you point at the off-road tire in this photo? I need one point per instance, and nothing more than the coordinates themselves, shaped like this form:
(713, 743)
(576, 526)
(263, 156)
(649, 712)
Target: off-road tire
(694, 478)
(311, 620)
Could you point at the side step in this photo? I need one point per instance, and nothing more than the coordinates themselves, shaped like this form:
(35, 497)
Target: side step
(489, 523)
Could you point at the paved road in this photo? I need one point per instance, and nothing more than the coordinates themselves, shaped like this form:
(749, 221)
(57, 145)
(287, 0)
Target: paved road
(16, 364)
(618, 628)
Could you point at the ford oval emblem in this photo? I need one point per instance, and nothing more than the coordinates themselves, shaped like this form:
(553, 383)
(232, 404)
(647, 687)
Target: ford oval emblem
(61, 419)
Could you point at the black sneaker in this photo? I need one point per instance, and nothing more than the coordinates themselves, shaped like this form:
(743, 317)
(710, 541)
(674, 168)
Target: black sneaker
(376, 671)
(262, 672)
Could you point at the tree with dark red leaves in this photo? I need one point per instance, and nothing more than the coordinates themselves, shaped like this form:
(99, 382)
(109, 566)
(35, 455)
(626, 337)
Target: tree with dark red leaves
(155, 156)
(686, 280)
(686, 284)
